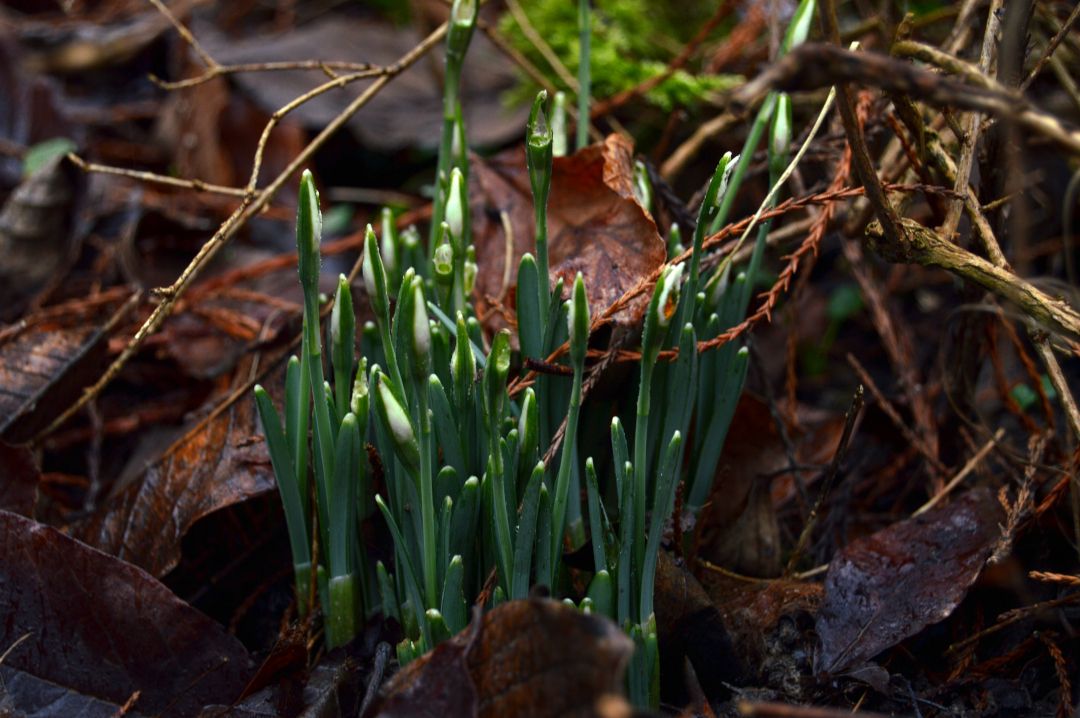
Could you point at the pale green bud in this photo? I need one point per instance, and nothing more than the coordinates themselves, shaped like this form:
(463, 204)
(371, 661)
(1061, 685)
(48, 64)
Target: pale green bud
(455, 206)
(470, 269)
(668, 289)
(308, 232)
(388, 245)
(358, 402)
(396, 420)
(577, 322)
(421, 328)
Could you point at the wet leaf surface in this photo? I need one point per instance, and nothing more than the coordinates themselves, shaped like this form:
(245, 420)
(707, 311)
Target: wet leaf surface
(31, 110)
(770, 626)
(44, 368)
(26, 695)
(101, 629)
(689, 625)
(219, 462)
(36, 234)
(888, 586)
(595, 226)
(331, 688)
(408, 113)
(524, 658)
(19, 477)
(739, 528)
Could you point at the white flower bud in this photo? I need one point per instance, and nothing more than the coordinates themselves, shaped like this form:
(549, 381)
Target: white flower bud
(455, 205)
(669, 295)
(421, 325)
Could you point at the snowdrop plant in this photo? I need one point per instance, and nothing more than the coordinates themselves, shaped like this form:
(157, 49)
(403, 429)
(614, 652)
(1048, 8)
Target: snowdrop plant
(474, 513)
(340, 414)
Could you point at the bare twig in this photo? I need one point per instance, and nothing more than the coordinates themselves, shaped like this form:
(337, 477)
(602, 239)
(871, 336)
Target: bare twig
(250, 205)
(327, 67)
(184, 33)
(689, 149)
(541, 46)
(970, 466)
(926, 247)
(192, 184)
(813, 66)
(1051, 46)
(895, 335)
(646, 284)
(934, 56)
(971, 137)
(830, 478)
(864, 168)
(890, 411)
(1061, 578)
(531, 70)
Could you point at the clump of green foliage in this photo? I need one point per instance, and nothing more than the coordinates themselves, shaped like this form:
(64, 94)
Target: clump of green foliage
(632, 40)
(472, 508)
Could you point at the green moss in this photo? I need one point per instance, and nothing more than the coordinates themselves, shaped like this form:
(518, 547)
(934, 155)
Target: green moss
(632, 41)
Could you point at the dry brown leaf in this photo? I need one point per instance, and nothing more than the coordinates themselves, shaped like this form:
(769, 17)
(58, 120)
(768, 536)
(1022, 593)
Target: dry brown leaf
(100, 630)
(530, 658)
(218, 463)
(595, 225)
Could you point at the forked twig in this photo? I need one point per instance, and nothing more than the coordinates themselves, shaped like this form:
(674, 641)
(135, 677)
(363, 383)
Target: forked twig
(250, 205)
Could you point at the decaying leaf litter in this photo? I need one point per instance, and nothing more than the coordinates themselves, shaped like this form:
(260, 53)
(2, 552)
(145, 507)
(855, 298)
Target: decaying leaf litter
(916, 557)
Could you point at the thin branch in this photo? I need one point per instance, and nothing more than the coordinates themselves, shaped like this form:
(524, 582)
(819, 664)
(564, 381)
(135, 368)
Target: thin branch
(890, 411)
(151, 177)
(185, 34)
(864, 168)
(646, 284)
(1049, 51)
(971, 136)
(329, 68)
(970, 466)
(830, 479)
(250, 206)
(814, 65)
(939, 58)
(531, 70)
(924, 246)
(541, 46)
(689, 149)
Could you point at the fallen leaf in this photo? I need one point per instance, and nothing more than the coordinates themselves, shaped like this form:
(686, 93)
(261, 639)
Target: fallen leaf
(765, 620)
(104, 629)
(437, 684)
(406, 114)
(84, 46)
(890, 585)
(37, 237)
(689, 625)
(219, 462)
(528, 658)
(43, 369)
(32, 109)
(19, 477)
(26, 695)
(595, 225)
(738, 528)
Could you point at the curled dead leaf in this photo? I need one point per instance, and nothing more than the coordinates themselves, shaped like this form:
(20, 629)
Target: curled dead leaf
(530, 658)
(595, 225)
(100, 630)
(221, 461)
(890, 585)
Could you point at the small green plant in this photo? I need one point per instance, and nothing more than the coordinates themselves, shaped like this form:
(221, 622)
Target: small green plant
(467, 497)
(340, 419)
(615, 45)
